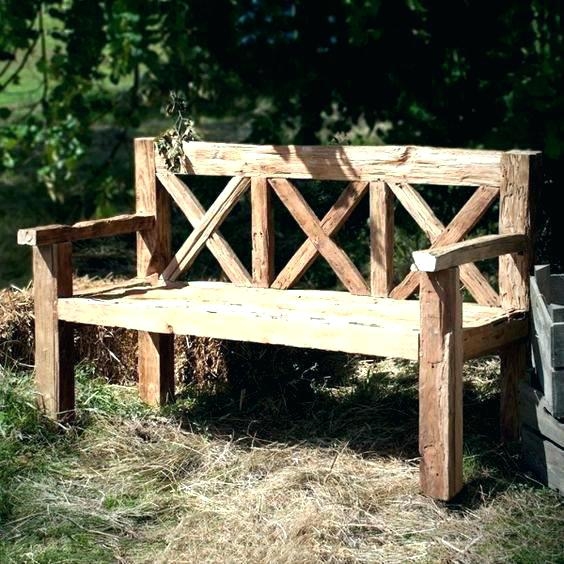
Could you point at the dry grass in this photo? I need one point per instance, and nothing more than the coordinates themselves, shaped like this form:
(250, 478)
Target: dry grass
(306, 457)
(334, 484)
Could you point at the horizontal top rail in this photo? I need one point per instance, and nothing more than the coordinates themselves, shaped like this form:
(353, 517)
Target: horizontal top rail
(424, 165)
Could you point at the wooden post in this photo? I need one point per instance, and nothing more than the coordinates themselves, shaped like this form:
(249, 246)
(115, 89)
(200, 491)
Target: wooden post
(263, 233)
(54, 366)
(381, 239)
(440, 384)
(520, 178)
(156, 351)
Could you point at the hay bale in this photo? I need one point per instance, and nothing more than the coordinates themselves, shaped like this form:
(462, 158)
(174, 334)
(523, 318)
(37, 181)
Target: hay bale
(16, 327)
(112, 350)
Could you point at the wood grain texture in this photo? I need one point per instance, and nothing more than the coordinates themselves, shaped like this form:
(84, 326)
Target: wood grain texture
(521, 172)
(462, 223)
(333, 220)
(338, 320)
(211, 221)
(547, 353)
(544, 457)
(534, 412)
(339, 261)
(216, 243)
(440, 385)
(425, 165)
(262, 230)
(156, 368)
(54, 366)
(478, 248)
(513, 364)
(153, 245)
(155, 352)
(117, 225)
(417, 207)
(381, 239)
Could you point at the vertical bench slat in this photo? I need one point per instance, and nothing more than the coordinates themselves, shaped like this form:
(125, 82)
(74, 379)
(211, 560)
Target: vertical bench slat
(52, 279)
(381, 239)
(262, 229)
(440, 384)
(520, 176)
(155, 351)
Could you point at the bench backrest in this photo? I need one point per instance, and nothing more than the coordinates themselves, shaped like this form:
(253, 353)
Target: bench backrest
(384, 173)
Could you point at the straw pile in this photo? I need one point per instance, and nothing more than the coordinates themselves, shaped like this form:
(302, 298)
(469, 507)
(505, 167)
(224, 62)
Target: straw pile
(112, 350)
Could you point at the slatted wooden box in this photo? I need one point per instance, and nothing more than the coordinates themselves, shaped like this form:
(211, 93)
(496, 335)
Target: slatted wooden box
(547, 304)
(542, 438)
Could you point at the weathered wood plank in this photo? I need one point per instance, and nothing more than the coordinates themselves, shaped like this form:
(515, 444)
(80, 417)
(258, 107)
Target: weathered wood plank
(339, 261)
(155, 352)
(551, 378)
(117, 225)
(156, 356)
(462, 223)
(54, 366)
(262, 229)
(153, 245)
(478, 248)
(520, 178)
(331, 223)
(381, 239)
(211, 221)
(478, 286)
(335, 332)
(440, 385)
(216, 243)
(432, 226)
(513, 364)
(491, 338)
(418, 209)
(426, 165)
(535, 414)
(544, 458)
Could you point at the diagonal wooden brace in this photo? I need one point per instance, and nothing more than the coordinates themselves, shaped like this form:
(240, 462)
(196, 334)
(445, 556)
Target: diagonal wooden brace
(439, 235)
(194, 212)
(331, 223)
(338, 260)
(210, 222)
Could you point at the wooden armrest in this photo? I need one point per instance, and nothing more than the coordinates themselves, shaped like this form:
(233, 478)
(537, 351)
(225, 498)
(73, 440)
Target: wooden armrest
(478, 248)
(117, 225)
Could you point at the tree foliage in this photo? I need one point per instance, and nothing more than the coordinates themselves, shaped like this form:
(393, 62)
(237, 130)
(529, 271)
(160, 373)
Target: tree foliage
(453, 74)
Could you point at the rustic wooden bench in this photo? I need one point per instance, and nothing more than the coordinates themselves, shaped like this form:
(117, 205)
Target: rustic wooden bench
(372, 317)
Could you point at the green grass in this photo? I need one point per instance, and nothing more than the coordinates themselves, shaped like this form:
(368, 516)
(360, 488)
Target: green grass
(332, 479)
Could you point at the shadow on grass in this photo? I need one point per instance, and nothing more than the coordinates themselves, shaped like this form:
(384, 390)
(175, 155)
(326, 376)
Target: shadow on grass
(373, 411)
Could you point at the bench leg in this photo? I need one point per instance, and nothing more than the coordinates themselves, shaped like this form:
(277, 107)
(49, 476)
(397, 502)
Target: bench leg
(440, 384)
(513, 364)
(54, 363)
(156, 367)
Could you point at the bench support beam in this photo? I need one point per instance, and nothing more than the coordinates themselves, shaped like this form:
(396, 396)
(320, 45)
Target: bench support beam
(440, 384)
(155, 350)
(520, 179)
(54, 366)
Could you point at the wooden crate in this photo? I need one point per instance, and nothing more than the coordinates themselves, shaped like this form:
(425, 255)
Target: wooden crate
(547, 304)
(542, 438)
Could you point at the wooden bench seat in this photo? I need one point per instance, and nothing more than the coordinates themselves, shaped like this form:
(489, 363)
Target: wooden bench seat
(327, 320)
(374, 314)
